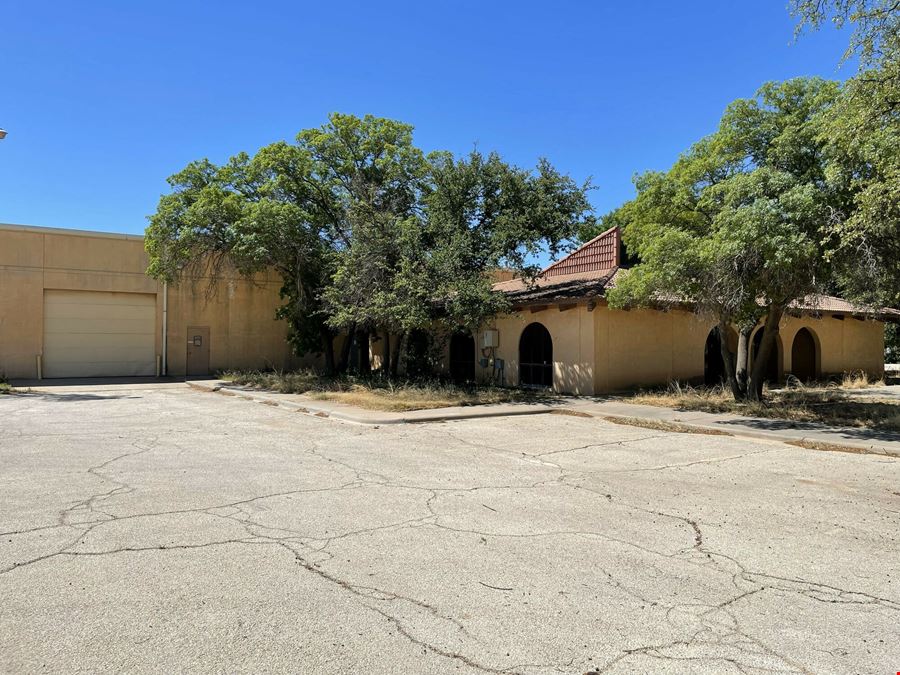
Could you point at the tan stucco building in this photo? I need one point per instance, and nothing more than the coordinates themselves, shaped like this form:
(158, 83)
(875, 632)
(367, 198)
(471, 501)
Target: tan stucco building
(79, 304)
(563, 334)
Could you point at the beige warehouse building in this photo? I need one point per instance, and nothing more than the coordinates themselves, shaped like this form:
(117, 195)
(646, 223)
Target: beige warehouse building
(79, 304)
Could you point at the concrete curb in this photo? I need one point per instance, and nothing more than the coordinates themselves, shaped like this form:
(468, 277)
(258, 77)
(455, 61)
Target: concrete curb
(374, 418)
(861, 446)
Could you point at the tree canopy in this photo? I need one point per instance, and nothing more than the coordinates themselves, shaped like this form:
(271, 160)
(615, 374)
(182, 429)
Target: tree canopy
(735, 227)
(875, 34)
(863, 133)
(367, 232)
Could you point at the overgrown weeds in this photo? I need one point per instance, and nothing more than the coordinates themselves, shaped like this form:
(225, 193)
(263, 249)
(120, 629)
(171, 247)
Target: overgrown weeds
(377, 393)
(859, 380)
(834, 404)
(663, 425)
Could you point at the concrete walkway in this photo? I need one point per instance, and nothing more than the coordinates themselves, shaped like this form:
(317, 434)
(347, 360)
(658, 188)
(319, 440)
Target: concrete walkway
(357, 415)
(870, 440)
(865, 440)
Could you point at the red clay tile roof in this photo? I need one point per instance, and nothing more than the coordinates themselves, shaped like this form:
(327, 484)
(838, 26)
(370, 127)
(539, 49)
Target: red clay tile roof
(584, 273)
(600, 253)
(592, 269)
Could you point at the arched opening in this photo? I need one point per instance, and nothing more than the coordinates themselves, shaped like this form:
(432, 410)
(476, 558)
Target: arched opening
(770, 372)
(462, 358)
(535, 357)
(803, 356)
(713, 364)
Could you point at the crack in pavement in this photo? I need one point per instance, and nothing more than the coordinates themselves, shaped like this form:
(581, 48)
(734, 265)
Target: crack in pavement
(718, 625)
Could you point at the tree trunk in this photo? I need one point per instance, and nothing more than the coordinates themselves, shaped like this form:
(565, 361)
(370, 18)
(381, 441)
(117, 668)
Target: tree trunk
(328, 350)
(761, 358)
(386, 355)
(362, 339)
(345, 351)
(395, 357)
(729, 360)
(743, 359)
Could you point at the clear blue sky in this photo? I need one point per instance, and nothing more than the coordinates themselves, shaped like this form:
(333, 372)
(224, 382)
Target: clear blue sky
(104, 100)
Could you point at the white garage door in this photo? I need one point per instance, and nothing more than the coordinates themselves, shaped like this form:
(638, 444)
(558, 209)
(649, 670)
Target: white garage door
(99, 334)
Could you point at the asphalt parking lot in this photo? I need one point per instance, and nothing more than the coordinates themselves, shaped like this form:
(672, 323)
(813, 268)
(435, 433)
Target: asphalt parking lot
(157, 528)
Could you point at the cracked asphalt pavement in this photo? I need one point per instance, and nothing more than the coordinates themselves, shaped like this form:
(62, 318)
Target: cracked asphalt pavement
(162, 529)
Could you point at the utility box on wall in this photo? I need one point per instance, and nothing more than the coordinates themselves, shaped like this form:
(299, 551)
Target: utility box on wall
(490, 338)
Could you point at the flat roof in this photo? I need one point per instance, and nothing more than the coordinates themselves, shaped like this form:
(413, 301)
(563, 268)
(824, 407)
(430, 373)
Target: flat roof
(74, 233)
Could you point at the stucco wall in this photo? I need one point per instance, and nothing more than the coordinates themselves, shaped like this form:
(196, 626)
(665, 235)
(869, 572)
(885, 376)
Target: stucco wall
(573, 337)
(593, 351)
(647, 347)
(607, 350)
(21, 288)
(243, 330)
(843, 345)
(240, 314)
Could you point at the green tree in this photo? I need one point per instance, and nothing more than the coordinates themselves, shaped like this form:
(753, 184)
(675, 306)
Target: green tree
(863, 153)
(863, 149)
(246, 216)
(367, 233)
(875, 36)
(372, 169)
(735, 227)
(428, 263)
(480, 214)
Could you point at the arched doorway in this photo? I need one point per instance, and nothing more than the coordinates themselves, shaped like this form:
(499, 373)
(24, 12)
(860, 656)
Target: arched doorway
(770, 372)
(535, 357)
(462, 358)
(803, 356)
(713, 364)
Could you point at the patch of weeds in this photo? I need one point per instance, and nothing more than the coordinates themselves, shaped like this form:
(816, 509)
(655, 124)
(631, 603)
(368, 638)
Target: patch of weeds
(858, 380)
(378, 393)
(661, 425)
(832, 404)
(569, 412)
(837, 447)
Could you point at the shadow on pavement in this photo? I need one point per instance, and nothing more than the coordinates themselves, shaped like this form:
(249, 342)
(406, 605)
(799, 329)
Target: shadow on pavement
(788, 425)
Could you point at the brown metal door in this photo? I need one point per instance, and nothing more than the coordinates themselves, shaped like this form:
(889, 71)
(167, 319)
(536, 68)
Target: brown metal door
(197, 350)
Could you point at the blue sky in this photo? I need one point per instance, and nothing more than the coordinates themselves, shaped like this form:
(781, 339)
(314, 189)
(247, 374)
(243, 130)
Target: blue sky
(103, 100)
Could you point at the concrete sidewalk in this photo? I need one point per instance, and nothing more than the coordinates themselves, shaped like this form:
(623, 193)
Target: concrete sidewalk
(867, 440)
(870, 440)
(357, 415)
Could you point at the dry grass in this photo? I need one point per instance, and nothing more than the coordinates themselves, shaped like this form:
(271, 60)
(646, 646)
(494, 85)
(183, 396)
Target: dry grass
(5, 388)
(661, 425)
(858, 380)
(837, 447)
(828, 404)
(377, 393)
